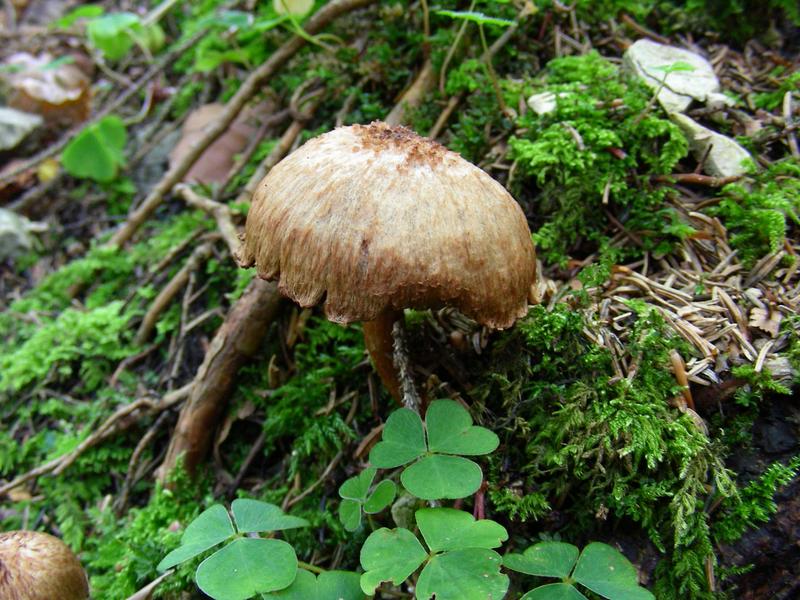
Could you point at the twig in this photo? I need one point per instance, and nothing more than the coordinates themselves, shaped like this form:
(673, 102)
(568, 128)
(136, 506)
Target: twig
(175, 285)
(117, 422)
(696, 179)
(414, 95)
(331, 466)
(402, 364)
(221, 213)
(253, 84)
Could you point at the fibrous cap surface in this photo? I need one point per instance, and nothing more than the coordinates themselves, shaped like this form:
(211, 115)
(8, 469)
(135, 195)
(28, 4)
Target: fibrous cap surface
(39, 566)
(375, 217)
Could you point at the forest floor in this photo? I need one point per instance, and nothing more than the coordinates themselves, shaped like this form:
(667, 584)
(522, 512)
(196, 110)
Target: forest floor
(647, 400)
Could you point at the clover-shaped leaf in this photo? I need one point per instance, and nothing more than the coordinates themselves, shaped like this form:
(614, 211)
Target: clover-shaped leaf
(437, 473)
(545, 559)
(329, 585)
(450, 529)
(403, 440)
(460, 562)
(97, 152)
(356, 496)
(246, 566)
(211, 527)
(600, 568)
(389, 555)
(468, 574)
(253, 515)
(607, 572)
(554, 591)
(450, 431)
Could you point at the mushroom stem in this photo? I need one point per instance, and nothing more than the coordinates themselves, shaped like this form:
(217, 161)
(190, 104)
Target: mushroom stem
(380, 345)
(402, 364)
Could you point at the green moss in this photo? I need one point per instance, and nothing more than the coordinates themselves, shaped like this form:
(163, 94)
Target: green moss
(761, 212)
(595, 156)
(597, 445)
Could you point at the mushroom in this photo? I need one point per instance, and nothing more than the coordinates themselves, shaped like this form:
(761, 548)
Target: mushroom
(373, 219)
(39, 566)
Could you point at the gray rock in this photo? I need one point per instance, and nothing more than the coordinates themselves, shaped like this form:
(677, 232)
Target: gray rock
(648, 59)
(15, 234)
(15, 125)
(725, 157)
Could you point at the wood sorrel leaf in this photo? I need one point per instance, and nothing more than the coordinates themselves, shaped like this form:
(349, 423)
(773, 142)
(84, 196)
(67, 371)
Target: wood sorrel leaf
(554, 591)
(254, 515)
(403, 440)
(450, 431)
(545, 559)
(246, 567)
(329, 585)
(468, 574)
(389, 555)
(442, 476)
(382, 496)
(450, 529)
(357, 488)
(607, 572)
(209, 528)
(350, 514)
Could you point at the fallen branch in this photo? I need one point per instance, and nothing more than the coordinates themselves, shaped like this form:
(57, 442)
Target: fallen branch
(237, 340)
(117, 422)
(221, 213)
(254, 83)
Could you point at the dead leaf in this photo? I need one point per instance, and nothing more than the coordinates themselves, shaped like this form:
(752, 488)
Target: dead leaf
(213, 164)
(766, 319)
(57, 90)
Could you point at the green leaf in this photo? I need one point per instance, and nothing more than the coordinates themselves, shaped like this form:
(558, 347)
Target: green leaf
(451, 529)
(475, 17)
(350, 514)
(605, 571)
(382, 496)
(97, 151)
(254, 515)
(450, 431)
(468, 574)
(246, 567)
(87, 11)
(329, 585)
(676, 67)
(209, 528)
(357, 488)
(545, 559)
(111, 34)
(403, 440)
(442, 476)
(554, 591)
(389, 555)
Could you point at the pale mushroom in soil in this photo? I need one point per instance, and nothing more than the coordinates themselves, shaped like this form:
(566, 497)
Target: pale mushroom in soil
(39, 566)
(373, 219)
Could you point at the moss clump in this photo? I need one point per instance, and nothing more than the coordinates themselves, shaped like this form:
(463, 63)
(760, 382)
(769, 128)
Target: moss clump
(761, 212)
(591, 160)
(598, 444)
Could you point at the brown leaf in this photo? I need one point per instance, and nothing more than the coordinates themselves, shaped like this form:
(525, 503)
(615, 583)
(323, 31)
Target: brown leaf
(765, 319)
(60, 94)
(213, 164)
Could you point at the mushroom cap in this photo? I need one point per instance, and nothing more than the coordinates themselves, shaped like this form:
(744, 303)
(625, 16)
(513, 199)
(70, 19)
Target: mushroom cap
(375, 217)
(39, 566)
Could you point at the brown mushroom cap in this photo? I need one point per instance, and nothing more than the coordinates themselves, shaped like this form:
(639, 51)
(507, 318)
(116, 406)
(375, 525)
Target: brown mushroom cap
(375, 218)
(39, 566)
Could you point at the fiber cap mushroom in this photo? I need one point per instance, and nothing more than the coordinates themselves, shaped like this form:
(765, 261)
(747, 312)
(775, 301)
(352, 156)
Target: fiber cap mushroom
(39, 566)
(372, 219)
